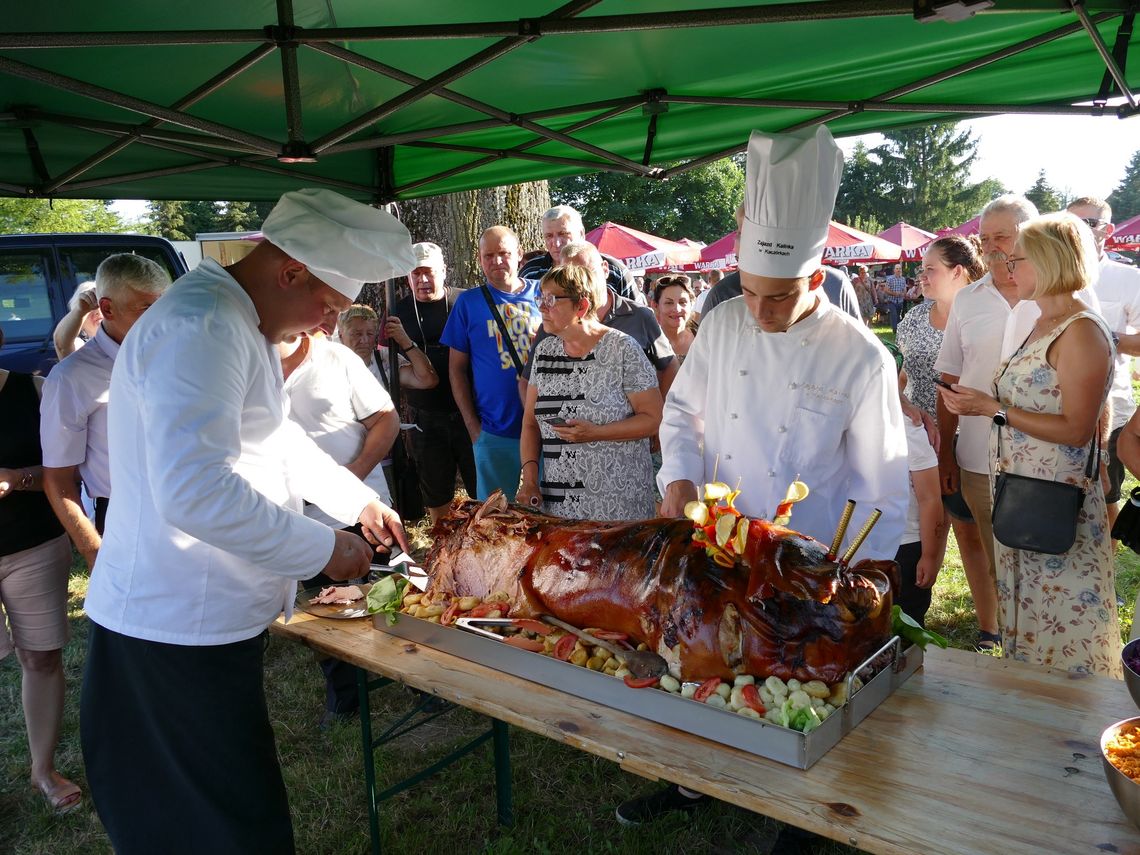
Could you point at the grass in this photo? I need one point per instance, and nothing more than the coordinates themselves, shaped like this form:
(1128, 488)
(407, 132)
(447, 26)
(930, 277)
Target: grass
(564, 798)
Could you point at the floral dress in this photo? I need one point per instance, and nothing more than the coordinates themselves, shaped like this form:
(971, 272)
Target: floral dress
(1056, 610)
(919, 343)
(593, 480)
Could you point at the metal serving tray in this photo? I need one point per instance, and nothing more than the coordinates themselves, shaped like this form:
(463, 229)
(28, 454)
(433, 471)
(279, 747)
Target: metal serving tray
(781, 744)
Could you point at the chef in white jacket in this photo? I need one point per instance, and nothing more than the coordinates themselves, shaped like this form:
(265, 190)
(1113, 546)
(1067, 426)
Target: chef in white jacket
(206, 540)
(779, 384)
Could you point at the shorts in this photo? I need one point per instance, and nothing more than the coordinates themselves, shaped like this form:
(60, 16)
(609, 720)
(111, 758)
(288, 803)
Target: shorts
(1115, 469)
(33, 597)
(497, 465)
(441, 447)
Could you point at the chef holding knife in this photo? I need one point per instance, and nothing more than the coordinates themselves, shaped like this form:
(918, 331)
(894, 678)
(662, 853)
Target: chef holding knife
(205, 542)
(782, 386)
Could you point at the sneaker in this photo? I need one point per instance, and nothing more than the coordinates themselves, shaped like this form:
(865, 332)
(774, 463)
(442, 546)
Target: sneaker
(655, 805)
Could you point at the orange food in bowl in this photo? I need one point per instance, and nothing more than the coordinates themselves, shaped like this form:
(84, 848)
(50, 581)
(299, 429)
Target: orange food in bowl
(1123, 752)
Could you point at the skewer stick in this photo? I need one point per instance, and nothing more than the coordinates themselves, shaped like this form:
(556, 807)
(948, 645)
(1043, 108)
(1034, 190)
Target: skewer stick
(844, 521)
(866, 530)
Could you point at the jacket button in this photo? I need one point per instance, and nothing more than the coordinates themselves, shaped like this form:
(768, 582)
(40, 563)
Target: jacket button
(743, 372)
(728, 457)
(771, 473)
(782, 429)
(732, 415)
(791, 385)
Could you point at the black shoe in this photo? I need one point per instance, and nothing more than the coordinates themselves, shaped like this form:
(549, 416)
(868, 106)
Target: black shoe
(331, 719)
(988, 642)
(655, 805)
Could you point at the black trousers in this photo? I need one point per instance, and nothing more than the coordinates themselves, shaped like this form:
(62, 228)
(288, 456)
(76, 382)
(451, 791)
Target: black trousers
(179, 751)
(913, 600)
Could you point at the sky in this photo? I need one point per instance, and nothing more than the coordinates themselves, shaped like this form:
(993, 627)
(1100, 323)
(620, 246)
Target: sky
(1081, 155)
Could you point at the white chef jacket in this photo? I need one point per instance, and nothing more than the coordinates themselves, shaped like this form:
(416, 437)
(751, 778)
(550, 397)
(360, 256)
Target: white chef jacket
(329, 393)
(819, 401)
(1118, 288)
(971, 351)
(205, 540)
(73, 413)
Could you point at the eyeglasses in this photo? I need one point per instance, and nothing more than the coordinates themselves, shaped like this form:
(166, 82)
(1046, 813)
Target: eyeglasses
(1093, 223)
(549, 301)
(1011, 263)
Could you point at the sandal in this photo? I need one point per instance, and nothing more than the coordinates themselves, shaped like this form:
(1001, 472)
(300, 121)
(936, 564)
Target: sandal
(63, 796)
(988, 641)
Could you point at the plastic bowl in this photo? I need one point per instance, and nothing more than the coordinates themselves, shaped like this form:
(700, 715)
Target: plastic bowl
(1126, 790)
(1131, 678)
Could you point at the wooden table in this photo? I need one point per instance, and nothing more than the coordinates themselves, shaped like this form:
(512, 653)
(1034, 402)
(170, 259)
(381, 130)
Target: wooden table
(971, 755)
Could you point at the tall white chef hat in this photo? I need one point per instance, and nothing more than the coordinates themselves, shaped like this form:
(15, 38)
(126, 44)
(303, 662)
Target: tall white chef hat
(344, 243)
(789, 196)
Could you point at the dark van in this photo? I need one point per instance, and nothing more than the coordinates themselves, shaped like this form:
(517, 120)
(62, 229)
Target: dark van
(39, 273)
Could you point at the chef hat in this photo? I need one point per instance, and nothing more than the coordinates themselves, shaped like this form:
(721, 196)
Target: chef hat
(427, 255)
(344, 243)
(789, 196)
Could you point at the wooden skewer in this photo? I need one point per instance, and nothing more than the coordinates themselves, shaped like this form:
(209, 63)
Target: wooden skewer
(859, 538)
(844, 521)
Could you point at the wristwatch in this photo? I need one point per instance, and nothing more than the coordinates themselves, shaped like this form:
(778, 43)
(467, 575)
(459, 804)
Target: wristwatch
(1000, 418)
(27, 481)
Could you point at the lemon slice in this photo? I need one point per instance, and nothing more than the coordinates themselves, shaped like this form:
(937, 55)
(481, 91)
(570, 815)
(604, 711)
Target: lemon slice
(724, 527)
(697, 512)
(741, 539)
(716, 491)
(797, 492)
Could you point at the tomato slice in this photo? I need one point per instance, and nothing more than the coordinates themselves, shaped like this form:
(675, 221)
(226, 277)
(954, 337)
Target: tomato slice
(706, 689)
(524, 642)
(751, 697)
(564, 647)
(450, 613)
(485, 609)
(535, 626)
(640, 682)
(609, 635)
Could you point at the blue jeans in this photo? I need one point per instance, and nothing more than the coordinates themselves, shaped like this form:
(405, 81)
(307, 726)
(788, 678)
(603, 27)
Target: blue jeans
(894, 312)
(497, 465)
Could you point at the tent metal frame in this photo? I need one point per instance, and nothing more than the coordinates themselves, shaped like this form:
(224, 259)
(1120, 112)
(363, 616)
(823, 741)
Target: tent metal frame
(208, 144)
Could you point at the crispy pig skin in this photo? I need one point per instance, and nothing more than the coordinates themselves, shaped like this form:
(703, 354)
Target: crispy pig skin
(784, 610)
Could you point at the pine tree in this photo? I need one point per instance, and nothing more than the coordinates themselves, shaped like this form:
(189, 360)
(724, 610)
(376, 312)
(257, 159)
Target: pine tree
(167, 218)
(1125, 199)
(859, 197)
(1044, 195)
(237, 216)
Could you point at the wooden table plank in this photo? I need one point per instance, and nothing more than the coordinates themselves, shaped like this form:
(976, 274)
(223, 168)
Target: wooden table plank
(971, 755)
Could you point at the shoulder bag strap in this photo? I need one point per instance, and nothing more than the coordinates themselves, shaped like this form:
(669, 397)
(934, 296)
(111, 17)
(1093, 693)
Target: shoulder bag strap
(502, 329)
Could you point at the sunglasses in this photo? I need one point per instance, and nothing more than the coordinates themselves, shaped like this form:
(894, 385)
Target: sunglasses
(1093, 223)
(666, 281)
(549, 301)
(1011, 263)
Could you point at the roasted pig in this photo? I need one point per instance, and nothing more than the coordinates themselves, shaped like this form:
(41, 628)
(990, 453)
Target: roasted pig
(783, 609)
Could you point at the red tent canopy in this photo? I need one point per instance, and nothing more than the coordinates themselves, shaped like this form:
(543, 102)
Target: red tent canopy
(716, 256)
(845, 244)
(1126, 235)
(638, 250)
(970, 227)
(911, 238)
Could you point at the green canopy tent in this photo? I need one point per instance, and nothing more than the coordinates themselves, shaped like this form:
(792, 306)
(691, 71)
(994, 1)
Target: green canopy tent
(216, 99)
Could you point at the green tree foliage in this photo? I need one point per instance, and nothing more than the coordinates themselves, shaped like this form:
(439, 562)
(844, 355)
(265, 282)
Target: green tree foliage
(859, 195)
(29, 216)
(924, 176)
(237, 216)
(1125, 199)
(167, 219)
(1046, 197)
(699, 203)
(184, 220)
(866, 224)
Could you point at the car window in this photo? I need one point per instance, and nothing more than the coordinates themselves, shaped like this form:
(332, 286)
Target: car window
(83, 261)
(25, 307)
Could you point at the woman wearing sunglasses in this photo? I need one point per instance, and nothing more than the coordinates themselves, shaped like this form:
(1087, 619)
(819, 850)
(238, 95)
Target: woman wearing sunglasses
(1056, 610)
(592, 404)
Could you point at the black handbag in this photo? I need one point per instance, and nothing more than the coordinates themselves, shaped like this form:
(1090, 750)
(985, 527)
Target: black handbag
(1038, 515)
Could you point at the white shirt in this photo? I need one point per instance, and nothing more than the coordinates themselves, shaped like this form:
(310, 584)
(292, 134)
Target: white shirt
(699, 305)
(205, 540)
(920, 457)
(73, 413)
(819, 401)
(329, 393)
(971, 351)
(1118, 288)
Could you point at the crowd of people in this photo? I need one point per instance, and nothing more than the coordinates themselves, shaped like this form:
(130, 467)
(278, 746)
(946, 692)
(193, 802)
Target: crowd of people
(246, 421)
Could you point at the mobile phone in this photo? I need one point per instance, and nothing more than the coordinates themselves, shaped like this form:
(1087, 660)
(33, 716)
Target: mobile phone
(938, 381)
(556, 421)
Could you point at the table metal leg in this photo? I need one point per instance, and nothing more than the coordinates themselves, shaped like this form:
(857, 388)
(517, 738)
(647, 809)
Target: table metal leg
(369, 759)
(503, 795)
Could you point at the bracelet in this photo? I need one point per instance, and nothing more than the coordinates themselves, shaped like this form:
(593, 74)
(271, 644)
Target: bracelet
(528, 462)
(404, 350)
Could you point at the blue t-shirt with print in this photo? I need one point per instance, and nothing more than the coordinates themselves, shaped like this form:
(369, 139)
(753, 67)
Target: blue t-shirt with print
(471, 329)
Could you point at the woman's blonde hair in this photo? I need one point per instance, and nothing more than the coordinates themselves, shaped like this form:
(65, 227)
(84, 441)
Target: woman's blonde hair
(578, 283)
(1061, 249)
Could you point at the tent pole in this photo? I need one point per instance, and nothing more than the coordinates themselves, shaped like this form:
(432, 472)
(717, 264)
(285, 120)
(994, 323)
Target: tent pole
(1101, 48)
(290, 79)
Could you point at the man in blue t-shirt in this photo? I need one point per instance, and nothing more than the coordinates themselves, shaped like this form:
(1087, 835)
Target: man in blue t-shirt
(483, 370)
